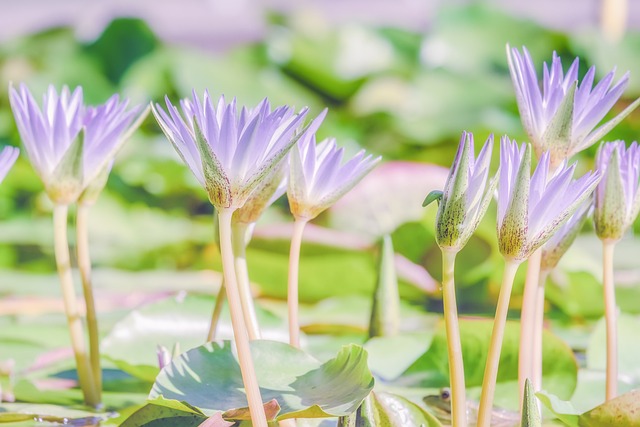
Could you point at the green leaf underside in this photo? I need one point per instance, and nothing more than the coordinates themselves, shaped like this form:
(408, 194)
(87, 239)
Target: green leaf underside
(388, 410)
(208, 377)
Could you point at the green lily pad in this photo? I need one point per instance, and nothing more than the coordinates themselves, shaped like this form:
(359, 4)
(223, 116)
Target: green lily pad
(389, 410)
(208, 377)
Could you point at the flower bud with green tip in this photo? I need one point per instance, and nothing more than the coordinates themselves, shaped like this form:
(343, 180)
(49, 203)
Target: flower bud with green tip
(561, 117)
(466, 195)
(617, 200)
(532, 209)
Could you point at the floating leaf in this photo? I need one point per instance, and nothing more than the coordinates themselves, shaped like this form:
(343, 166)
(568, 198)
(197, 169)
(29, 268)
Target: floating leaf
(208, 377)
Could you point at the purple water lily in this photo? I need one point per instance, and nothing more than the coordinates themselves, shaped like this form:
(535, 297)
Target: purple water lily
(229, 153)
(561, 117)
(532, 209)
(68, 143)
(8, 157)
(617, 200)
(319, 176)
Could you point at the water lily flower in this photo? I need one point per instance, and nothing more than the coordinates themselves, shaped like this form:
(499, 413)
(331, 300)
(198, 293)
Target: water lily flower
(562, 116)
(617, 200)
(8, 157)
(229, 153)
(68, 143)
(466, 195)
(532, 209)
(319, 177)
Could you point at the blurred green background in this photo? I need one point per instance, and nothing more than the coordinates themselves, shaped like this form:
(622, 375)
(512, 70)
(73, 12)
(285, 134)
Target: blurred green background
(403, 93)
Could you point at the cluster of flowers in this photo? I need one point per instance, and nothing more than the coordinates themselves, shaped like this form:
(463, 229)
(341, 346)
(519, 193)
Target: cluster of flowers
(246, 158)
(539, 216)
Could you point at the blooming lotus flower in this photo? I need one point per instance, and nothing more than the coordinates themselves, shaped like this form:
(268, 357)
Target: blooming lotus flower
(617, 200)
(561, 118)
(319, 177)
(532, 209)
(466, 195)
(8, 157)
(229, 153)
(561, 241)
(68, 143)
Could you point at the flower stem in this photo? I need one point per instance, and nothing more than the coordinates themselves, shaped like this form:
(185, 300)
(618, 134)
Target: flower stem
(536, 378)
(292, 293)
(256, 408)
(454, 347)
(84, 265)
(611, 321)
(217, 310)
(527, 322)
(61, 247)
(242, 273)
(493, 357)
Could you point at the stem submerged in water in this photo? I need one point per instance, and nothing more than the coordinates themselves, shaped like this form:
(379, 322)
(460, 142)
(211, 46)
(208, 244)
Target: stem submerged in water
(493, 358)
(454, 347)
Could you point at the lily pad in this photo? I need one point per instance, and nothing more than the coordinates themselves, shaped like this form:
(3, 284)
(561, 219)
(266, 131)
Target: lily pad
(208, 377)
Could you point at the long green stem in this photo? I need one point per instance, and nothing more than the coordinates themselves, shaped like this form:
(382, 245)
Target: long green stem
(536, 379)
(217, 310)
(242, 273)
(84, 265)
(292, 294)
(527, 322)
(497, 334)
(256, 408)
(456, 367)
(610, 318)
(74, 321)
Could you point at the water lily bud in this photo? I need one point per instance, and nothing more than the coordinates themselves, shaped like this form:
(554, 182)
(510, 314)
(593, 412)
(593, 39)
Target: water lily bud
(466, 195)
(617, 200)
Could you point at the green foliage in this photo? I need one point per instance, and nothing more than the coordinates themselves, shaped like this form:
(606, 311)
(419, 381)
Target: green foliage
(208, 377)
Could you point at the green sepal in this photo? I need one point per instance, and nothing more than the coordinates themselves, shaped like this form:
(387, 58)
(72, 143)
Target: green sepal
(610, 215)
(530, 410)
(66, 181)
(432, 197)
(512, 234)
(557, 136)
(452, 212)
(216, 180)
